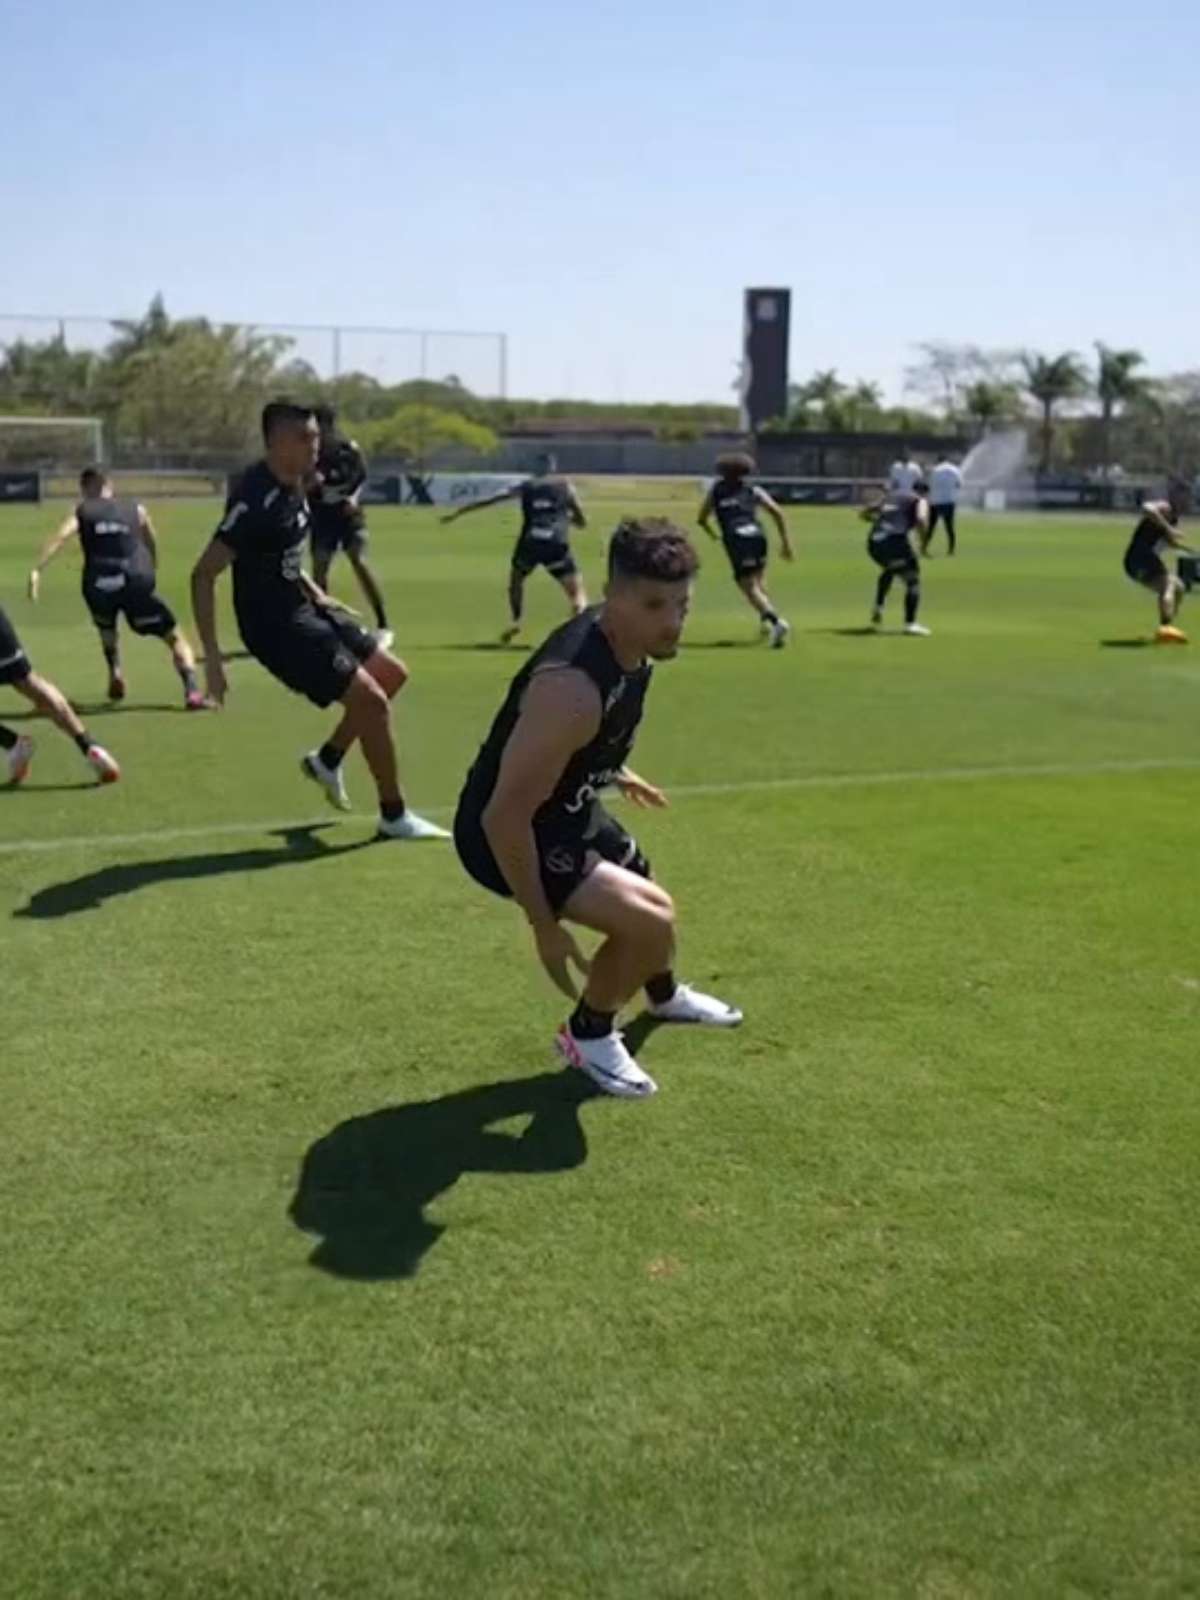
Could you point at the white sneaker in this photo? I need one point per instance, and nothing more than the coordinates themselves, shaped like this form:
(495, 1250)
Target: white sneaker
(331, 780)
(779, 634)
(916, 630)
(19, 758)
(102, 764)
(409, 826)
(689, 1005)
(607, 1063)
(384, 638)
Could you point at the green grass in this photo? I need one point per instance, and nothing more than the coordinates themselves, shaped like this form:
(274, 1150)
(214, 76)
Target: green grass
(892, 1293)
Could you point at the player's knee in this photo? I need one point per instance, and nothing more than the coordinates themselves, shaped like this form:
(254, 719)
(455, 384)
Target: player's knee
(368, 698)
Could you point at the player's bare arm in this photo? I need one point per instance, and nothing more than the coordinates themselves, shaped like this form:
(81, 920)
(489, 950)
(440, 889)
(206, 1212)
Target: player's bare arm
(560, 714)
(149, 534)
(66, 531)
(212, 563)
(704, 517)
(482, 504)
(575, 508)
(773, 509)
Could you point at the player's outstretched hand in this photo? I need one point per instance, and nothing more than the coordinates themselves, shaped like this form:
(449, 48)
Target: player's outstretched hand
(788, 553)
(216, 685)
(558, 952)
(35, 579)
(641, 793)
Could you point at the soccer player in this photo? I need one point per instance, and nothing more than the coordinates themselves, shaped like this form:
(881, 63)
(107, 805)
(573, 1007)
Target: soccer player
(339, 522)
(549, 508)
(904, 475)
(1156, 528)
(302, 637)
(530, 825)
(895, 521)
(945, 486)
(17, 749)
(120, 555)
(736, 504)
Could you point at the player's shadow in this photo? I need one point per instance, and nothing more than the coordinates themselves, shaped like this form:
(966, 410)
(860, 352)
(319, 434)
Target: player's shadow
(364, 1187)
(494, 646)
(722, 644)
(1125, 644)
(93, 889)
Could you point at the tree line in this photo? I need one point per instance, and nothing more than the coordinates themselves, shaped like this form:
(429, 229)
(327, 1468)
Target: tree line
(193, 389)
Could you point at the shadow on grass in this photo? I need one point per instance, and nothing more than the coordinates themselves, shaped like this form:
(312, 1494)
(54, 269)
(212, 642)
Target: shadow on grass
(1125, 644)
(492, 645)
(101, 708)
(364, 1186)
(89, 892)
(32, 786)
(722, 644)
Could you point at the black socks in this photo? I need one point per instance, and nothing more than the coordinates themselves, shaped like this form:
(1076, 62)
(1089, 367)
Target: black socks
(661, 988)
(330, 757)
(588, 1024)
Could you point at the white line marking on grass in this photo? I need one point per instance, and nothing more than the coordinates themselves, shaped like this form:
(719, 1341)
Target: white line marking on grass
(829, 780)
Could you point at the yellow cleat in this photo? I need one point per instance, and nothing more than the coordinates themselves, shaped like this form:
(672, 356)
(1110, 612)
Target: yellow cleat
(1171, 635)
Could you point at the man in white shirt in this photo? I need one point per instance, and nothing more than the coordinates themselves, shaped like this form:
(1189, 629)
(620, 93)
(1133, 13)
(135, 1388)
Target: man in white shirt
(904, 476)
(945, 486)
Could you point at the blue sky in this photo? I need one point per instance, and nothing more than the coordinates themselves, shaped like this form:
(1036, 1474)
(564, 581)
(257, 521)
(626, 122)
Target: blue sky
(602, 181)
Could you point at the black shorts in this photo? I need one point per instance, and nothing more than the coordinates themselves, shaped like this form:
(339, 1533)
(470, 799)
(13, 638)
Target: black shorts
(1147, 569)
(1188, 570)
(315, 653)
(747, 554)
(894, 554)
(553, 554)
(563, 851)
(109, 596)
(332, 531)
(14, 663)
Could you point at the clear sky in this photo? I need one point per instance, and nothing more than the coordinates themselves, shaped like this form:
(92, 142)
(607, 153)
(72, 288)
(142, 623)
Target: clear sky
(601, 180)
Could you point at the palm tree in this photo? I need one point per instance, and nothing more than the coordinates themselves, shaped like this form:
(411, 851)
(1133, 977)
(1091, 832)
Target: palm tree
(987, 403)
(1116, 385)
(1051, 379)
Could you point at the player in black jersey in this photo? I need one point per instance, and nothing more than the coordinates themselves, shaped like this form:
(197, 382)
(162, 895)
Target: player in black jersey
(737, 503)
(302, 637)
(339, 522)
(899, 522)
(120, 555)
(549, 509)
(17, 749)
(1155, 530)
(530, 824)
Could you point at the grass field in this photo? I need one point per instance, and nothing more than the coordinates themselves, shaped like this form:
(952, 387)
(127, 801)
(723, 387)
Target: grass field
(894, 1292)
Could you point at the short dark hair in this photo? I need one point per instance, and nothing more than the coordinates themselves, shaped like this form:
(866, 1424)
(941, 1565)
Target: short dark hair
(326, 417)
(651, 547)
(92, 478)
(737, 464)
(920, 487)
(276, 413)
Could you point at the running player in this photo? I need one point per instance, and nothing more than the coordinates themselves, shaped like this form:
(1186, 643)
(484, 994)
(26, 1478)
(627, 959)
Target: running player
(1156, 528)
(549, 507)
(896, 522)
(736, 503)
(530, 825)
(302, 637)
(120, 555)
(17, 749)
(339, 522)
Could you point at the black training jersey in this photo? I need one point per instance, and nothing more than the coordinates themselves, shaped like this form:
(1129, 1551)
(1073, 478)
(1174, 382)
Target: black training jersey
(265, 525)
(580, 644)
(110, 536)
(736, 506)
(895, 518)
(341, 469)
(545, 509)
(1148, 538)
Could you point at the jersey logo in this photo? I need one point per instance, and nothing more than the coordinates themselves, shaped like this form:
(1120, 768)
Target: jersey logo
(560, 861)
(614, 694)
(270, 499)
(233, 516)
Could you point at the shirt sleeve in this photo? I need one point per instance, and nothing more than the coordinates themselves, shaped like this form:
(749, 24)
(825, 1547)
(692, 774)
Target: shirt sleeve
(235, 525)
(358, 469)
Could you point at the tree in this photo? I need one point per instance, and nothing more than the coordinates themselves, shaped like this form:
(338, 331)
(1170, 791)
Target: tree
(945, 373)
(1050, 380)
(415, 432)
(1117, 384)
(987, 403)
